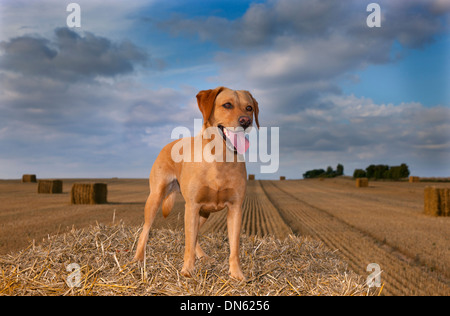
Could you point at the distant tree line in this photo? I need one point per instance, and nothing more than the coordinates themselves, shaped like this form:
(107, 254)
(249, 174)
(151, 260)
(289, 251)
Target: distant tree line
(383, 172)
(321, 173)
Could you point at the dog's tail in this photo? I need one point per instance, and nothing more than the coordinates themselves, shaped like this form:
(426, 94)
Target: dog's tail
(168, 203)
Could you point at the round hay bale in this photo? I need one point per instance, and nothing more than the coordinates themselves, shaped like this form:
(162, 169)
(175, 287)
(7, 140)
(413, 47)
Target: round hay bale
(362, 182)
(99, 261)
(26, 178)
(50, 186)
(437, 201)
(88, 193)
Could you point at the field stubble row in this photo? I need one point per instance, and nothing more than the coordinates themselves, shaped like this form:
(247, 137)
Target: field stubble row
(392, 214)
(260, 217)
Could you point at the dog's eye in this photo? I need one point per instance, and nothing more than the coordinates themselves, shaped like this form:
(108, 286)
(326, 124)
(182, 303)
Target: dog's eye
(227, 106)
(249, 108)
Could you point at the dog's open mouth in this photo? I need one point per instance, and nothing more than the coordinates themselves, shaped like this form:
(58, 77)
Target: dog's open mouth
(235, 139)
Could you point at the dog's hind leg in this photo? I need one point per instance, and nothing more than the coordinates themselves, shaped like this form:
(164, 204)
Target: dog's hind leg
(163, 191)
(151, 207)
(169, 199)
(162, 184)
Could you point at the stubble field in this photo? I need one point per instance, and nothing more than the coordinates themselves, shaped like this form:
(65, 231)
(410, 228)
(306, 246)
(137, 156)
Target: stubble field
(381, 224)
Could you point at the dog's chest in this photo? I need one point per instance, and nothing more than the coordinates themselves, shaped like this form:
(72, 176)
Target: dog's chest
(212, 200)
(213, 186)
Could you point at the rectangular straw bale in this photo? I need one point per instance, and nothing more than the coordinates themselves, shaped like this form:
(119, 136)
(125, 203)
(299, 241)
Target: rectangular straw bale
(362, 182)
(282, 178)
(446, 206)
(413, 179)
(50, 186)
(251, 177)
(88, 193)
(28, 178)
(431, 201)
(437, 201)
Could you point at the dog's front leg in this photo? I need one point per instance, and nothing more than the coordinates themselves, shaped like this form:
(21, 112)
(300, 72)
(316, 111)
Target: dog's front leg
(191, 223)
(234, 221)
(199, 253)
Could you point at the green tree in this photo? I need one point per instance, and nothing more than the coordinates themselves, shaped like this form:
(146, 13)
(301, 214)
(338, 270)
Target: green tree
(370, 171)
(315, 173)
(329, 171)
(339, 170)
(377, 171)
(359, 173)
(404, 170)
(386, 172)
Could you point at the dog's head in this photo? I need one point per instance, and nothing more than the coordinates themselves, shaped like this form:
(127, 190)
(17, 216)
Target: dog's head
(232, 111)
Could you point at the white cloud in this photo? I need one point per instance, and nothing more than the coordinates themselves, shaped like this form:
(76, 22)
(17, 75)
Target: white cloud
(357, 131)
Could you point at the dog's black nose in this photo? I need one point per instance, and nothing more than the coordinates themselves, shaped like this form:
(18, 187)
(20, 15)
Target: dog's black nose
(245, 121)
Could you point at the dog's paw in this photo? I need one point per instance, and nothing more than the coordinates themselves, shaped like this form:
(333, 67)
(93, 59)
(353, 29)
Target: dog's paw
(206, 259)
(138, 258)
(238, 275)
(187, 272)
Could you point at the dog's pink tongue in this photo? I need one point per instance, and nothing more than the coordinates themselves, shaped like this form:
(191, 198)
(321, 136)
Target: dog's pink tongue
(239, 141)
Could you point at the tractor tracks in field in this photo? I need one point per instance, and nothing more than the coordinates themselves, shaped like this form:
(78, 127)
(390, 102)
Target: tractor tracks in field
(259, 216)
(400, 276)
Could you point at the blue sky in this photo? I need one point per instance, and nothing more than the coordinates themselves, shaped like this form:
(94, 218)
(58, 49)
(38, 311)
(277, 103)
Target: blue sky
(422, 75)
(101, 100)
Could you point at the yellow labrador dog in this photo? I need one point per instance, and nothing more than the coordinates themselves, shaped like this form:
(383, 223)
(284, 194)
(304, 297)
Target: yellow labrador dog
(207, 185)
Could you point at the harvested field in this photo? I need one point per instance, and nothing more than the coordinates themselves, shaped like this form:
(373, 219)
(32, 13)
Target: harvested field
(260, 217)
(384, 224)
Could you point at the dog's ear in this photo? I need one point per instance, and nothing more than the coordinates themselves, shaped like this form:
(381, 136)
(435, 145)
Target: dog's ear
(255, 103)
(205, 100)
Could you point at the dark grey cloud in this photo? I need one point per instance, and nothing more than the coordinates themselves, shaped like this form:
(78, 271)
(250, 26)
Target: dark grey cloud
(263, 23)
(413, 23)
(70, 56)
(65, 95)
